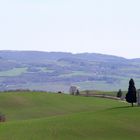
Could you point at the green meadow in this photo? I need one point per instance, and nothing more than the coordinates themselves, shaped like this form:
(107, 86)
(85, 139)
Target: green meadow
(13, 72)
(45, 116)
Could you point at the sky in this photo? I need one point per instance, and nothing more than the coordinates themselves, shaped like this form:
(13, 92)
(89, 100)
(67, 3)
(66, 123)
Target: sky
(94, 26)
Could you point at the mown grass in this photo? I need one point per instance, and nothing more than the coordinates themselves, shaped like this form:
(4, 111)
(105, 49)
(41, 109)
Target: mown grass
(28, 105)
(42, 116)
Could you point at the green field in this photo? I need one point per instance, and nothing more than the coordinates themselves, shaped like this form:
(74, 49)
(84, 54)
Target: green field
(13, 72)
(104, 86)
(44, 116)
(76, 73)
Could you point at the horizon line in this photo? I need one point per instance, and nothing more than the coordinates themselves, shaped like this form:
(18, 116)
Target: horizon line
(74, 53)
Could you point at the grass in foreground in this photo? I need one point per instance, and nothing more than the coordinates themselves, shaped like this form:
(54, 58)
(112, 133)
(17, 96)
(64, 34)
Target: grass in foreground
(64, 117)
(29, 105)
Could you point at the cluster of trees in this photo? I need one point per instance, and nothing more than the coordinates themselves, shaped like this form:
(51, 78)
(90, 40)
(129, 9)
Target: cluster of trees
(74, 90)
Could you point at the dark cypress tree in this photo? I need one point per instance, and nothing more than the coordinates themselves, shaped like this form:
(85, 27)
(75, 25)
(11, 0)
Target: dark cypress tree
(131, 94)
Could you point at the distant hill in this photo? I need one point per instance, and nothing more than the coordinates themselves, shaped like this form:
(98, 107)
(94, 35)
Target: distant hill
(56, 71)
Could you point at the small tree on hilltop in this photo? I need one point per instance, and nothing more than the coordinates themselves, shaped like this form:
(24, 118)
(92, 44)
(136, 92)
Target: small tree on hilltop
(119, 93)
(131, 94)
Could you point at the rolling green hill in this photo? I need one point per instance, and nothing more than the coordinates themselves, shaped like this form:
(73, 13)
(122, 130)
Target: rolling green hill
(44, 116)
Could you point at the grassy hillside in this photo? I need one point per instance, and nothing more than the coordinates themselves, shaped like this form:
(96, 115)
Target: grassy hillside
(21, 106)
(37, 116)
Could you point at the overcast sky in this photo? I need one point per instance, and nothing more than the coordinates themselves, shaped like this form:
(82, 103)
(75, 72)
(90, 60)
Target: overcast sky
(101, 26)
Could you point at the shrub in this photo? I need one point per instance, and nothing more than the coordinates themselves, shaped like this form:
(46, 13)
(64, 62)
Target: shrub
(2, 118)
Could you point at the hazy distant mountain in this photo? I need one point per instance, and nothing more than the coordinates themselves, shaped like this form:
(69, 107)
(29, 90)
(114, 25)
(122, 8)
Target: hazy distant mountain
(27, 55)
(54, 71)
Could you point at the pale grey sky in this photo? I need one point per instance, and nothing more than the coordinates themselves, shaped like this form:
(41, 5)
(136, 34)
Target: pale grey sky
(101, 26)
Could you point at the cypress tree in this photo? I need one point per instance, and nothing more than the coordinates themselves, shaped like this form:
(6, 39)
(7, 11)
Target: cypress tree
(131, 94)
